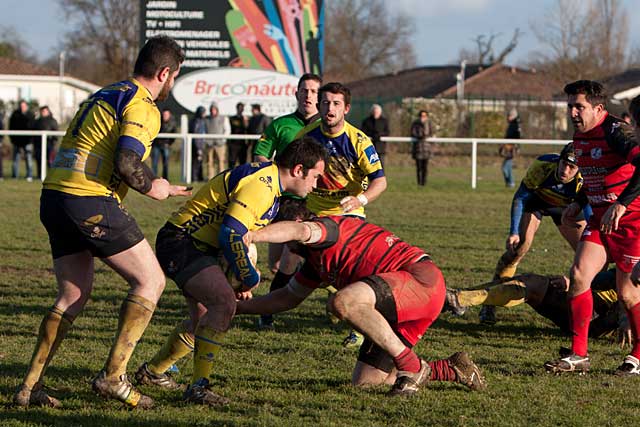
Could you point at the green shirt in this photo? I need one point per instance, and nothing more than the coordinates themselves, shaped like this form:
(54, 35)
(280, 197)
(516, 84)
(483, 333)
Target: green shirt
(280, 133)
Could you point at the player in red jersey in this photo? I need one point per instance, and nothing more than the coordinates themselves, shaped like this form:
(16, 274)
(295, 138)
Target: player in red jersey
(387, 289)
(607, 157)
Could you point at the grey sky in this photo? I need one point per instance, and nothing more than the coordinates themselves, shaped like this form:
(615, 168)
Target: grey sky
(442, 26)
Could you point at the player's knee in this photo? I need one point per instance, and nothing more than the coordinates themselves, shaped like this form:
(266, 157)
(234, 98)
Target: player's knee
(629, 296)
(340, 305)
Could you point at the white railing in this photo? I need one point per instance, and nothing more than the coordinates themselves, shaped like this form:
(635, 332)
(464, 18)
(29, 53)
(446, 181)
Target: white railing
(187, 146)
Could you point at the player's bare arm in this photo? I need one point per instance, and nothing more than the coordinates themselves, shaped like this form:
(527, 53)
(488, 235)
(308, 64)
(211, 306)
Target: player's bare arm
(277, 301)
(281, 232)
(375, 189)
(139, 176)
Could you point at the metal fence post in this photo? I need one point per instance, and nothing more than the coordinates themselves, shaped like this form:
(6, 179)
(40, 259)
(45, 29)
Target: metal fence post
(43, 156)
(184, 130)
(474, 163)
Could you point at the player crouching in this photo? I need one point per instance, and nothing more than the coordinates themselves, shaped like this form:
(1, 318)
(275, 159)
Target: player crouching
(387, 289)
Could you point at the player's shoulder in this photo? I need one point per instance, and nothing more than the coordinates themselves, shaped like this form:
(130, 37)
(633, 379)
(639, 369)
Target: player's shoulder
(311, 127)
(614, 128)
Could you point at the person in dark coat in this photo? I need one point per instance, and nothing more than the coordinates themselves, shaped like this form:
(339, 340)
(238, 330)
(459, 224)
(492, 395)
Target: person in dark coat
(45, 121)
(421, 130)
(375, 127)
(22, 119)
(198, 124)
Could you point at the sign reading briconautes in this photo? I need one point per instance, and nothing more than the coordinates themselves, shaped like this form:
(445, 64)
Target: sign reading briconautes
(249, 51)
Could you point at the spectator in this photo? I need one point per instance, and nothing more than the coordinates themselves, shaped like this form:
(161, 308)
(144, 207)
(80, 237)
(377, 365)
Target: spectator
(509, 151)
(45, 122)
(162, 146)
(198, 124)
(217, 148)
(237, 148)
(258, 122)
(421, 129)
(375, 127)
(22, 119)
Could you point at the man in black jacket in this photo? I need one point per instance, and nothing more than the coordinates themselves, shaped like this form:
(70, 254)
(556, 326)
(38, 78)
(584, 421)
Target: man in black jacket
(375, 127)
(22, 119)
(44, 122)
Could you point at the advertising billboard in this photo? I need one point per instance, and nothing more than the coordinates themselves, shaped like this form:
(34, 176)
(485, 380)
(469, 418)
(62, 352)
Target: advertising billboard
(250, 51)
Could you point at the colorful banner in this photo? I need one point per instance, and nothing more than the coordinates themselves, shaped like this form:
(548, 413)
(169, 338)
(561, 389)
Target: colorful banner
(281, 38)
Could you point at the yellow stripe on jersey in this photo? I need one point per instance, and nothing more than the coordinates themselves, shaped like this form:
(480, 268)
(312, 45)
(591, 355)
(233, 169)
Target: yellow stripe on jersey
(249, 194)
(352, 157)
(84, 165)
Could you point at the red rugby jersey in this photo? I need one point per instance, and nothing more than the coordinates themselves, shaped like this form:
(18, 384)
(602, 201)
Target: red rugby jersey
(351, 249)
(604, 155)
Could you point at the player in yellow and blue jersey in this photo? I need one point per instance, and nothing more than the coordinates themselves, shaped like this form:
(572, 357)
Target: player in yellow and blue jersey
(100, 157)
(207, 231)
(550, 185)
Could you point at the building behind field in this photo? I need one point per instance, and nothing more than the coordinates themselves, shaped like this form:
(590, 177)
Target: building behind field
(40, 85)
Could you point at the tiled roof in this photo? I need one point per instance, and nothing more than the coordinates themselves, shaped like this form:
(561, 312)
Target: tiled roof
(15, 66)
(620, 82)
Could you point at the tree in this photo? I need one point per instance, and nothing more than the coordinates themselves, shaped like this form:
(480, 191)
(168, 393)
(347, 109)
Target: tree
(583, 39)
(13, 46)
(363, 38)
(484, 52)
(105, 36)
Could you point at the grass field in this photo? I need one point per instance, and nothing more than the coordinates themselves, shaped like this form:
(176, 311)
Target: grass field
(300, 374)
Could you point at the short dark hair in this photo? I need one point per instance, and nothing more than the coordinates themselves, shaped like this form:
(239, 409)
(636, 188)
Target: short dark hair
(336, 88)
(305, 151)
(423, 111)
(634, 109)
(292, 209)
(309, 76)
(592, 90)
(156, 54)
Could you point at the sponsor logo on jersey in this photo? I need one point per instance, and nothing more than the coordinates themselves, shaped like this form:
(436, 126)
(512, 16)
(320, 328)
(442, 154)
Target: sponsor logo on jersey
(596, 153)
(630, 260)
(372, 155)
(267, 181)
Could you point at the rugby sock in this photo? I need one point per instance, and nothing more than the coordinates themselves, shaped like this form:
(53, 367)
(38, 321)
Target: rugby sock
(506, 294)
(53, 328)
(135, 314)
(208, 345)
(633, 314)
(581, 310)
(179, 344)
(407, 360)
(505, 269)
(441, 371)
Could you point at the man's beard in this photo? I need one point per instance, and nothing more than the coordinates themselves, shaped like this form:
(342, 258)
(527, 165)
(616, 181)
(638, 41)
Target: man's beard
(164, 92)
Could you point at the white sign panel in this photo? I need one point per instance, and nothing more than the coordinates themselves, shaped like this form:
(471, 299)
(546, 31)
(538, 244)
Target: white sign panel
(274, 91)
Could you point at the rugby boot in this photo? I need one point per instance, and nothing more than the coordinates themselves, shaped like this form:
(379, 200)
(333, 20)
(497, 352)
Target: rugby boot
(144, 376)
(37, 397)
(408, 383)
(487, 315)
(120, 389)
(353, 340)
(451, 303)
(200, 393)
(467, 372)
(265, 323)
(629, 368)
(568, 363)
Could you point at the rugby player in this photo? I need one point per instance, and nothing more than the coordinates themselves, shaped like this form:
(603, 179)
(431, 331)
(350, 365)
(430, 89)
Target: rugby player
(550, 185)
(387, 289)
(354, 175)
(101, 156)
(204, 233)
(607, 157)
(275, 138)
(548, 296)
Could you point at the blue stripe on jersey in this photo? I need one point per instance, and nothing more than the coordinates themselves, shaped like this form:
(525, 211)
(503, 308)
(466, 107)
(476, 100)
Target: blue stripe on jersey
(235, 175)
(273, 211)
(118, 96)
(130, 143)
(340, 146)
(376, 174)
(234, 224)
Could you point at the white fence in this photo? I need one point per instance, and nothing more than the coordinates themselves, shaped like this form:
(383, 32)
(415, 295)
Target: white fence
(188, 137)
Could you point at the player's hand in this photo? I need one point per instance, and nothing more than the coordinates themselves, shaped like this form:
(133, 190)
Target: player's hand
(559, 282)
(570, 213)
(625, 337)
(609, 222)
(247, 239)
(180, 190)
(244, 295)
(512, 242)
(161, 189)
(350, 203)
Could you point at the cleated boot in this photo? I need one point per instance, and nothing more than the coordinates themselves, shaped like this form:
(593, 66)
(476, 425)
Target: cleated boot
(408, 383)
(120, 389)
(37, 397)
(467, 372)
(487, 315)
(629, 368)
(200, 393)
(353, 340)
(452, 304)
(569, 363)
(145, 377)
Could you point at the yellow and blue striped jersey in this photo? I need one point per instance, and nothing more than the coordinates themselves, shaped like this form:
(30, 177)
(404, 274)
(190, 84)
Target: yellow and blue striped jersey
(245, 198)
(122, 114)
(352, 160)
(542, 180)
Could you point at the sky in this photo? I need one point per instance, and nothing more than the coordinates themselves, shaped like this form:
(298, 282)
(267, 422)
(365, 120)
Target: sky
(443, 27)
